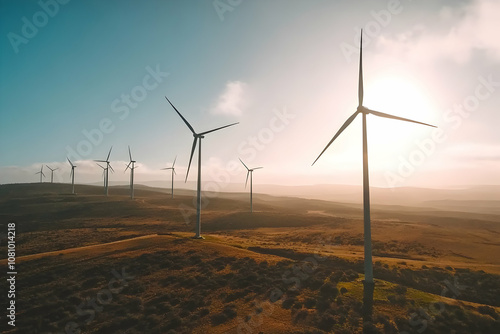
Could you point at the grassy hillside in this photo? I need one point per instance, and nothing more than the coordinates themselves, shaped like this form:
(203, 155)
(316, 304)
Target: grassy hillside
(113, 265)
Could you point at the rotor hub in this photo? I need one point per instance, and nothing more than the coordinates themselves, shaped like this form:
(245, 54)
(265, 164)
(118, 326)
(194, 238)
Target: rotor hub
(363, 110)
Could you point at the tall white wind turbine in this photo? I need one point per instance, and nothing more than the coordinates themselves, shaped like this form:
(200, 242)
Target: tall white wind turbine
(368, 266)
(250, 172)
(72, 175)
(197, 138)
(41, 173)
(108, 166)
(51, 173)
(173, 172)
(131, 166)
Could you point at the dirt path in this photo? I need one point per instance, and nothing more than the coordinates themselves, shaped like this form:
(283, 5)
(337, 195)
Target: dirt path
(76, 249)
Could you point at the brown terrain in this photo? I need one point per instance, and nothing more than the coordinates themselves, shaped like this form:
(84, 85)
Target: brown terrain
(90, 264)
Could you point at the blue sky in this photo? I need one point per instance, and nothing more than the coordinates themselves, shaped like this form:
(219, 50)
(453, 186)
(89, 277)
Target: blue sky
(286, 70)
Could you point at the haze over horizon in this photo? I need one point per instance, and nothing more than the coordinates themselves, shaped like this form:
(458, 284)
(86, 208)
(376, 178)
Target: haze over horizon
(94, 75)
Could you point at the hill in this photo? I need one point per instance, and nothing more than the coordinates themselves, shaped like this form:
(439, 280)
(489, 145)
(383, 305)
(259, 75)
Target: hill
(115, 265)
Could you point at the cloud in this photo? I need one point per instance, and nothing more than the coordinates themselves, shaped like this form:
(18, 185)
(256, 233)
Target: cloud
(469, 28)
(232, 100)
(472, 154)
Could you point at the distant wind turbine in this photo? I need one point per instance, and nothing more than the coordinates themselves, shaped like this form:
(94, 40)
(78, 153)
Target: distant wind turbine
(131, 166)
(41, 173)
(197, 137)
(72, 175)
(103, 174)
(108, 166)
(368, 266)
(173, 172)
(250, 172)
(52, 173)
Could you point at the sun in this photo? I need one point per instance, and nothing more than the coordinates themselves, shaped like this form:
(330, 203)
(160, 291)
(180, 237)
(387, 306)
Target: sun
(399, 97)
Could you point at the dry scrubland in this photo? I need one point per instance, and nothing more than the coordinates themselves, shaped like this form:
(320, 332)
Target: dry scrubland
(113, 265)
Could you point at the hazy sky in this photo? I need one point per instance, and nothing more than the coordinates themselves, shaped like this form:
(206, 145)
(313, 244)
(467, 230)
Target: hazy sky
(78, 77)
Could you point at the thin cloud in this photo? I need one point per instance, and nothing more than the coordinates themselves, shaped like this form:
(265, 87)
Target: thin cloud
(470, 28)
(232, 100)
(471, 154)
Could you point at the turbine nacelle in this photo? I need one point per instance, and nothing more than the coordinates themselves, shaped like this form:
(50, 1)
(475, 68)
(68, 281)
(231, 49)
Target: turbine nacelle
(249, 170)
(172, 168)
(72, 166)
(363, 110)
(131, 161)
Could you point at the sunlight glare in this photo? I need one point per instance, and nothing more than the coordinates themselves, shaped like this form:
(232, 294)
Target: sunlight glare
(399, 97)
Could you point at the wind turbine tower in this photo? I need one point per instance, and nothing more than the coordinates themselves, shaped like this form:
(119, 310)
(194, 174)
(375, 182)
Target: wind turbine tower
(52, 173)
(108, 166)
(173, 172)
(131, 166)
(72, 175)
(250, 172)
(368, 266)
(197, 138)
(41, 173)
(103, 175)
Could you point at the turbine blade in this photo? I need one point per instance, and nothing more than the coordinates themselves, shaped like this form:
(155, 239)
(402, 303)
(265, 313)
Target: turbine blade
(222, 127)
(360, 80)
(129, 154)
(257, 168)
(101, 166)
(173, 170)
(381, 114)
(174, 162)
(69, 162)
(191, 157)
(127, 167)
(109, 165)
(100, 160)
(185, 121)
(109, 153)
(248, 173)
(244, 164)
(346, 124)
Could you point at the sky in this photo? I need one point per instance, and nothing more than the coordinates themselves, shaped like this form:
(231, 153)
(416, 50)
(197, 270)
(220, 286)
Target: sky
(80, 77)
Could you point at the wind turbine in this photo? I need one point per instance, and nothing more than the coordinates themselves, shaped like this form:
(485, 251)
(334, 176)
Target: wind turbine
(173, 172)
(368, 266)
(250, 172)
(108, 166)
(41, 173)
(103, 174)
(52, 173)
(197, 137)
(72, 175)
(132, 162)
